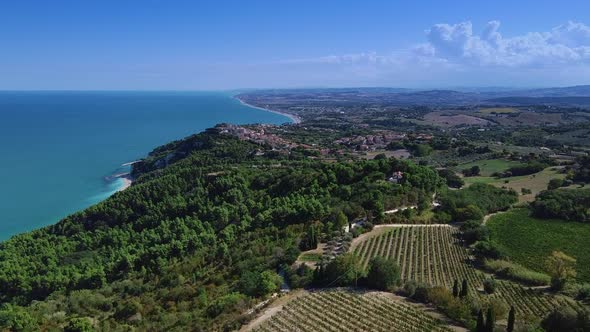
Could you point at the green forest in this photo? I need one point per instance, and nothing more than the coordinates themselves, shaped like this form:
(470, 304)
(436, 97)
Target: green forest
(196, 239)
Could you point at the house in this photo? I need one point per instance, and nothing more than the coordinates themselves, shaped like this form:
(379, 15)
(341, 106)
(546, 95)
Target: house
(396, 177)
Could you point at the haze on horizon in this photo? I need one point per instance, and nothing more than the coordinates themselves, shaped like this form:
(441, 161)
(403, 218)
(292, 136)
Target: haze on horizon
(206, 45)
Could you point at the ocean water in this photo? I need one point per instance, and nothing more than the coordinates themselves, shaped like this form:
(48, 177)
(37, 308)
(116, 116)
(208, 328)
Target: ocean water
(58, 149)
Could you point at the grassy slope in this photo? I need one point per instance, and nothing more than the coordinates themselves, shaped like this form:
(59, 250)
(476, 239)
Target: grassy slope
(490, 166)
(528, 241)
(535, 182)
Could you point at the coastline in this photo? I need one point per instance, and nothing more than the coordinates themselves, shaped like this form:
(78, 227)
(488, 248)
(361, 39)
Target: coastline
(293, 117)
(126, 183)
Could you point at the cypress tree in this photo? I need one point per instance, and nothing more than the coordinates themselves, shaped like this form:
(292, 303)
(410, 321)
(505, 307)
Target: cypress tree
(511, 318)
(456, 288)
(464, 289)
(481, 325)
(490, 323)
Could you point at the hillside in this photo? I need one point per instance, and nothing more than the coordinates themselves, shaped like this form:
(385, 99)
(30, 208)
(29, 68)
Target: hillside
(195, 241)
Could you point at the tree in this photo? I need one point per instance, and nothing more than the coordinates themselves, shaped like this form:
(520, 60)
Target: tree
(269, 282)
(383, 274)
(490, 321)
(456, 288)
(15, 318)
(554, 184)
(464, 289)
(561, 267)
(79, 325)
(259, 284)
(511, 319)
(341, 220)
(560, 319)
(344, 270)
(481, 324)
(489, 285)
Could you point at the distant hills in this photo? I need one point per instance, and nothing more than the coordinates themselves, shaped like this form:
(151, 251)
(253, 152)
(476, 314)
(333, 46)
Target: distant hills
(562, 96)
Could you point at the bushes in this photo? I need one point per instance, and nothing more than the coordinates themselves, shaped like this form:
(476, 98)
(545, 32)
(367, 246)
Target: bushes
(15, 318)
(473, 202)
(487, 249)
(344, 270)
(472, 232)
(473, 171)
(566, 319)
(383, 274)
(224, 304)
(453, 180)
(516, 272)
(489, 285)
(554, 184)
(563, 203)
(260, 284)
(527, 169)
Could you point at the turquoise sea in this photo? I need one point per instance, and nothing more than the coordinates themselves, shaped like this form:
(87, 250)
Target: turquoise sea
(59, 149)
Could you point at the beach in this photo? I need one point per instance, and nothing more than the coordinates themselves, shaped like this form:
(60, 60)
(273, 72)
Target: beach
(293, 117)
(126, 183)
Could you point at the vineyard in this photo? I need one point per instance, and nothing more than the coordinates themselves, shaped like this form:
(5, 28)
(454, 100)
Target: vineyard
(338, 310)
(433, 255)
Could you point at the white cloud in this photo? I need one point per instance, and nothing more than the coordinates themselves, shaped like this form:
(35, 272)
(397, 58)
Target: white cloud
(565, 44)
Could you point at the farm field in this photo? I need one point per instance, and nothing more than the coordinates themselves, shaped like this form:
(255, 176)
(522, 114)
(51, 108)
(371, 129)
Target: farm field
(528, 240)
(498, 110)
(535, 182)
(341, 310)
(489, 166)
(433, 255)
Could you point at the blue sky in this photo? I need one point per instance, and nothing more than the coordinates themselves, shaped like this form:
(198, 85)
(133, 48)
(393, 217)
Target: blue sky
(204, 45)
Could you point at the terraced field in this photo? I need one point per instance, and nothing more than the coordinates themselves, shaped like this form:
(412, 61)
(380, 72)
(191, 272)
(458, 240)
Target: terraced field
(433, 255)
(338, 310)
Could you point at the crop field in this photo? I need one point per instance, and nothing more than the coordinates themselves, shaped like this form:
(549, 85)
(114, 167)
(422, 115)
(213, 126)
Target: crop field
(490, 166)
(433, 255)
(339, 310)
(498, 110)
(535, 182)
(528, 240)
(451, 119)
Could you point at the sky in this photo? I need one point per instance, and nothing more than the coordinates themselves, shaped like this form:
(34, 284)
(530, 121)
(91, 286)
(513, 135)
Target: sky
(213, 45)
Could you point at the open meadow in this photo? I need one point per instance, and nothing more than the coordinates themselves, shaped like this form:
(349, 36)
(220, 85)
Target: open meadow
(534, 182)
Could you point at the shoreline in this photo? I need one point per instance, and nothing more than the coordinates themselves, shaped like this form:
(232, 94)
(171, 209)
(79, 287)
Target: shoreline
(293, 117)
(126, 183)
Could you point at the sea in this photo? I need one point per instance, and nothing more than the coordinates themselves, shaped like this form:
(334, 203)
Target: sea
(60, 150)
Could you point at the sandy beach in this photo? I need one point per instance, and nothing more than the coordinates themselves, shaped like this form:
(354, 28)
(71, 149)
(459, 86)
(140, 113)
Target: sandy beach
(126, 183)
(293, 117)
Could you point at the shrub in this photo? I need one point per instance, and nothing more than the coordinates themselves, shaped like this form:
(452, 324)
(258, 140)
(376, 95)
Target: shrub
(489, 285)
(563, 203)
(79, 325)
(560, 319)
(487, 249)
(554, 184)
(15, 318)
(383, 274)
(224, 304)
(409, 288)
(583, 293)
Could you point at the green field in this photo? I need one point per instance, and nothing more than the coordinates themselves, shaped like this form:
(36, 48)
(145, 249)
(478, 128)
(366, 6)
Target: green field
(528, 240)
(310, 257)
(535, 182)
(490, 166)
(498, 110)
